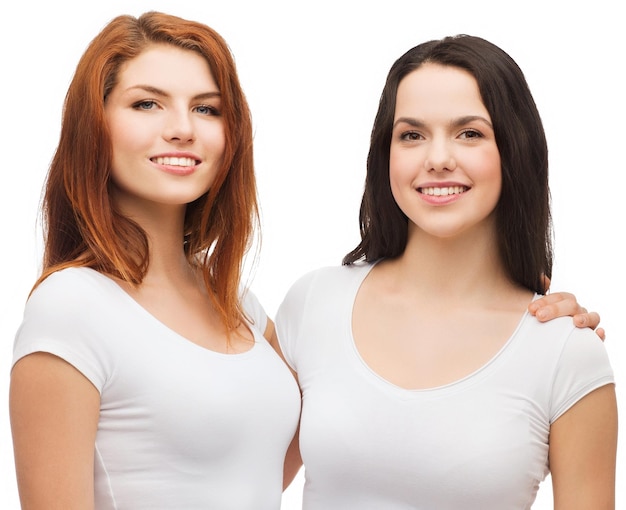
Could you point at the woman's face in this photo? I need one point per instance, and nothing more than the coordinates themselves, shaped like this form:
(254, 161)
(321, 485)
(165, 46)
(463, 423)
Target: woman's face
(166, 129)
(444, 163)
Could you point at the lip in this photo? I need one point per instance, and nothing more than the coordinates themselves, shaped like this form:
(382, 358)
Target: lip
(171, 162)
(442, 193)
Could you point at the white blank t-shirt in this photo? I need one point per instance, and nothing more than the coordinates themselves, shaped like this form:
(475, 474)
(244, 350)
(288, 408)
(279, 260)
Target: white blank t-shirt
(478, 443)
(181, 427)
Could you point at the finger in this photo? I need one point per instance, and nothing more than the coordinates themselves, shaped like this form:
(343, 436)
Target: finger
(587, 320)
(590, 320)
(562, 309)
(560, 304)
(556, 297)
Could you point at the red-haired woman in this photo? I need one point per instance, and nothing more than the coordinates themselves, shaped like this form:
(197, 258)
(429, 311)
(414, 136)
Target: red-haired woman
(142, 378)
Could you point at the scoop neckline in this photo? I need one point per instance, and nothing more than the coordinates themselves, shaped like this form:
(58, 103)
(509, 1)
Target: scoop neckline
(431, 390)
(117, 288)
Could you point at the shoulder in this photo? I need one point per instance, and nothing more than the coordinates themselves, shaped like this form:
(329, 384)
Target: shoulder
(65, 281)
(561, 331)
(330, 278)
(554, 338)
(74, 283)
(69, 292)
(583, 366)
(583, 351)
(574, 360)
(320, 294)
(73, 302)
(69, 315)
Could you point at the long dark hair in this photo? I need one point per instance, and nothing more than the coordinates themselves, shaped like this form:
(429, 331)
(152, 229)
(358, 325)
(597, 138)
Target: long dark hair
(523, 219)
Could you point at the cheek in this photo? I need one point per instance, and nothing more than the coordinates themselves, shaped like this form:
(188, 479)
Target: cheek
(121, 141)
(403, 167)
(125, 146)
(490, 172)
(398, 164)
(215, 139)
(118, 128)
(399, 188)
(128, 135)
(493, 169)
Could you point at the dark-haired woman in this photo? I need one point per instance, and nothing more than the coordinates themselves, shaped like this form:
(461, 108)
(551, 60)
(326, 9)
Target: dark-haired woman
(426, 382)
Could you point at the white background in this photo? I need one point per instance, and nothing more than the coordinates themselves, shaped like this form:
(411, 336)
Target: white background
(313, 73)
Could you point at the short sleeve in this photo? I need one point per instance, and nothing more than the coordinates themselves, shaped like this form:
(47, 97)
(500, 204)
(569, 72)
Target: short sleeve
(61, 318)
(584, 366)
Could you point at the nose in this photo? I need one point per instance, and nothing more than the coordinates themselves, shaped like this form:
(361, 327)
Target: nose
(179, 127)
(439, 157)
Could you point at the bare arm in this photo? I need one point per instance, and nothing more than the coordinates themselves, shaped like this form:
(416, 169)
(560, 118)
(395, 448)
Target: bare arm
(293, 460)
(54, 413)
(562, 304)
(583, 444)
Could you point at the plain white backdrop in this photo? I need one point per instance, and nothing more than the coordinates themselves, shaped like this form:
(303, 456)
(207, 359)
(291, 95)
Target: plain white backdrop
(313, 73)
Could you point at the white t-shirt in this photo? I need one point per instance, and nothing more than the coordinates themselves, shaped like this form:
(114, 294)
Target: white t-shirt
(181, 427)
(478, 443)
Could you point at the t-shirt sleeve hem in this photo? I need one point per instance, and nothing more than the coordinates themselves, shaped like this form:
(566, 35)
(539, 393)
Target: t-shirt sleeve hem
(580, 394)
(74, 359)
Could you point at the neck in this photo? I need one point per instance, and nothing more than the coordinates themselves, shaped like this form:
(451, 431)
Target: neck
(164, 226)
(462, 267)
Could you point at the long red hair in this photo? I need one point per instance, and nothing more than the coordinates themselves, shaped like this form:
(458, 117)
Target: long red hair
(81, 225)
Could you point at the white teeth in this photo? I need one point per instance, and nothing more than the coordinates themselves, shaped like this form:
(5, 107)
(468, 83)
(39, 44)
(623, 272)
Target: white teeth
(450, 190)
(173, 161)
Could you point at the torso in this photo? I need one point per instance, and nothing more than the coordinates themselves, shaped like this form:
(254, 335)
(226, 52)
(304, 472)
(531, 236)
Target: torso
(479, 440)
(181, 425)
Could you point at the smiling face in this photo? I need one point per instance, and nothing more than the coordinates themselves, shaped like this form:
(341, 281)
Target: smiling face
(444, 165)
(165, 127)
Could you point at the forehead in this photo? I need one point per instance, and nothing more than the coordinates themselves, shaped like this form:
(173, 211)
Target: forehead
(167, 66)
(437, 89)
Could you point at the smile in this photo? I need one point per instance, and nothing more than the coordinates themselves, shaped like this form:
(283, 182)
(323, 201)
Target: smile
(175, 161)
(445, 191)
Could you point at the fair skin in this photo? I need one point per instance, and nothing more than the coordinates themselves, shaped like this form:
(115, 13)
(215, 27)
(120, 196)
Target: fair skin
(450, 285)
(165, 105)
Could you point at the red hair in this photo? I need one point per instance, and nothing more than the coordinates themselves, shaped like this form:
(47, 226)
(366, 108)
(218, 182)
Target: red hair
(81, 225)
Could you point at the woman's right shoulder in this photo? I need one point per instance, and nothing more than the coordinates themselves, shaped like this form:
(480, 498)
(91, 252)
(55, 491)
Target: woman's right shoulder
(319, 283)
(74, 277)
(67, 315)
(333, 275)
(72, 288)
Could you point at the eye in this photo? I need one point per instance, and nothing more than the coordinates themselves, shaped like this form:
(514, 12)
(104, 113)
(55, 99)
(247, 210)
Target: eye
(470, 133)
(144, 105)
(205, 109)
(410, 136)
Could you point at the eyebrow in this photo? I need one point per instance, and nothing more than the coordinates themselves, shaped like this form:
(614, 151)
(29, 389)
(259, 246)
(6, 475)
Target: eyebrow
(157, 91)
(460, 121)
